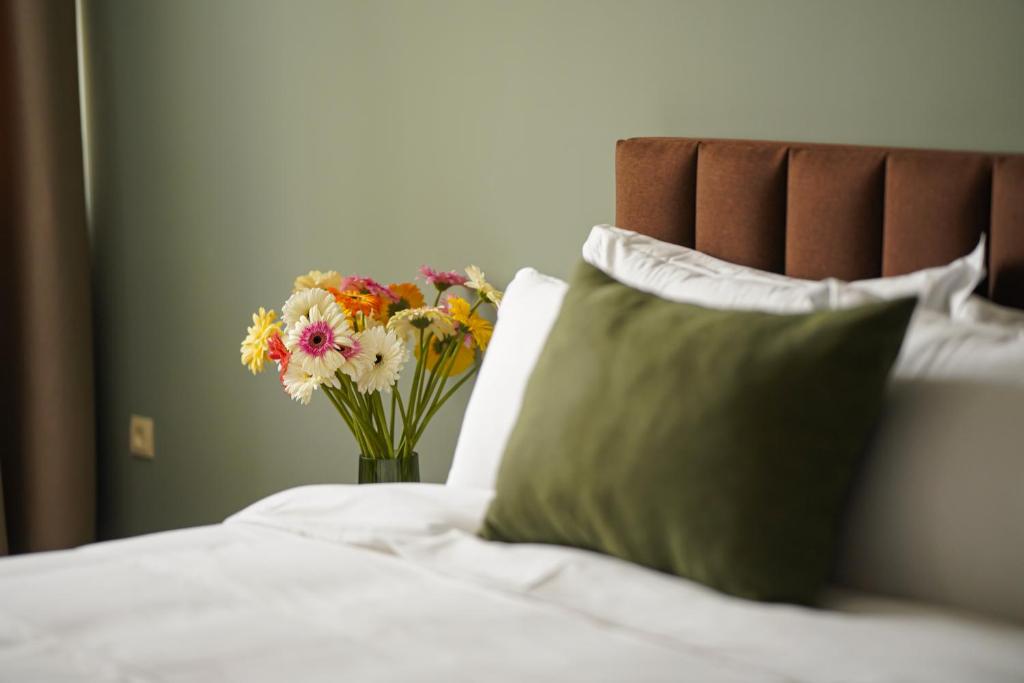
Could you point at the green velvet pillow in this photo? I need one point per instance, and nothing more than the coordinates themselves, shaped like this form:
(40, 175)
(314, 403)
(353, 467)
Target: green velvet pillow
(716, 445)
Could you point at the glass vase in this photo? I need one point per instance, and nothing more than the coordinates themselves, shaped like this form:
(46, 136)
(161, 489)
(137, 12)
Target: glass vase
(389, 470)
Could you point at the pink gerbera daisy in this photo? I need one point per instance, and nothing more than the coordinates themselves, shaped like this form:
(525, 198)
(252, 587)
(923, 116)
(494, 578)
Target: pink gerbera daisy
(317, 342)
(367, 285)
(442, 279)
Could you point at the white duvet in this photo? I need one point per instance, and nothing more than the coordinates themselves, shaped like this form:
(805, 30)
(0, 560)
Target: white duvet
(388, 583)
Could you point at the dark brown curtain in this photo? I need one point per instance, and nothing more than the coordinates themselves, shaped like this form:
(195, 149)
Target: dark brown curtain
(47, 428)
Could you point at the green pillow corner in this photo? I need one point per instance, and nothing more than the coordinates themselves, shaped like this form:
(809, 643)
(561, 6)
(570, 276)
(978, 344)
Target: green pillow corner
(715, 445)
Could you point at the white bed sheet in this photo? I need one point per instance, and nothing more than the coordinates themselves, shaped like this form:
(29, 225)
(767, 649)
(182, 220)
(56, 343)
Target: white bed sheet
(388, 583)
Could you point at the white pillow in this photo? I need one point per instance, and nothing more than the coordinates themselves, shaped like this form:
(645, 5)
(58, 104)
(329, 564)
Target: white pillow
(532, 302)
(528, 310)
(938, 512)
(684, 274)
(978, 310)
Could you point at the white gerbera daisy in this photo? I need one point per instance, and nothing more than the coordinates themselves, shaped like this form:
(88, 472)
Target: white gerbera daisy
(321, 342)
(430, 318)
(302, 302)
(385, 354)
(356, 360)
(478, 282)
(300, 384)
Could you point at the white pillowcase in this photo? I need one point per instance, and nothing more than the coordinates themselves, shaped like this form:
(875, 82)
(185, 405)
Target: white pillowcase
(682, 274)
(686, 275)
(938, 513)
(978, 310)
(532, 301)
(528, 310)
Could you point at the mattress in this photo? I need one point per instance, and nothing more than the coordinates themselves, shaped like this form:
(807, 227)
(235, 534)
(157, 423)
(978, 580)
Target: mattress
(389, 583)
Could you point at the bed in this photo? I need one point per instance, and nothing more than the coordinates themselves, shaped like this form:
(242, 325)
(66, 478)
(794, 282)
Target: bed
(391, 582)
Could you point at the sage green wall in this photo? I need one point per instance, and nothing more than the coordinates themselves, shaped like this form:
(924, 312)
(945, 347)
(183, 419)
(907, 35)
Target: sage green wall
(237, 143)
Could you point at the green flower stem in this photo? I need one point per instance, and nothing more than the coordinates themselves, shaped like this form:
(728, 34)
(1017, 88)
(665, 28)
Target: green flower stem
(391, 423)
(372, 420)
(433, 400)
(405, 422)
(444, 399)
(416, 376)
(416, 406)
(376, 421)
(401, 406)
(341, 411)
(438, 379)
(363, 414)
(352, 426)
(355, 424)
(427, 387)
(445, 360)
(440, 375)
(440, 368)
(378, 407)
(366, 427)
(444, 373)
(426, 377)
(465, 378)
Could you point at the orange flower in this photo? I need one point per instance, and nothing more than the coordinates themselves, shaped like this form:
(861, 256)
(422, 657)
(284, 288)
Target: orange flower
(407, 295)
(353, 302)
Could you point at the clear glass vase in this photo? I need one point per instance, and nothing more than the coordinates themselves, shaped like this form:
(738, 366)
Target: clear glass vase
(389, 470)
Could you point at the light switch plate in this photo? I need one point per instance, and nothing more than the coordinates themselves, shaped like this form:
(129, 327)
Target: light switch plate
(140, 437)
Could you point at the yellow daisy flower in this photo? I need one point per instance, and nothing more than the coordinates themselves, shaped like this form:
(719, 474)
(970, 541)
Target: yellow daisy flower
(477, 326)
(464, 356)
(254, 346)
(314, 279)
(409, 322)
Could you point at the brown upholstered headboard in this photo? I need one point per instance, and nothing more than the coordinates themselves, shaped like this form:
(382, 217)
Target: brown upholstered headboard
(815, 211)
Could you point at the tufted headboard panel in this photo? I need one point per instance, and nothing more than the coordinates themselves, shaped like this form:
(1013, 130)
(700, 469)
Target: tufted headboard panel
(815, 211)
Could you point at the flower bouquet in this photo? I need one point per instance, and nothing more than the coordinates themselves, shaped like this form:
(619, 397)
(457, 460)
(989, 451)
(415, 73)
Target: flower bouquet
(350, 338)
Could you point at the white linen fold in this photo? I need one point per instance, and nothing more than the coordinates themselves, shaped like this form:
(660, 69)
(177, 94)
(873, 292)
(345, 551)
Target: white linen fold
(389, 583)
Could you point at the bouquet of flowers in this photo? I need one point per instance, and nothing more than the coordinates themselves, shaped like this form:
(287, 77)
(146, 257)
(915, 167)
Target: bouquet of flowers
(350, 338)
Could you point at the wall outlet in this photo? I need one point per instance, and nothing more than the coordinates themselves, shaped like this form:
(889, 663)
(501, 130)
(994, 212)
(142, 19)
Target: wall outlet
(140, 437)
